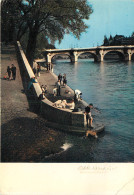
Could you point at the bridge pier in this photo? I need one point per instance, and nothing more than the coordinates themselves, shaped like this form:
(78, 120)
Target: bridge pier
(128, 55)
(49, 57)
(99, 56)
(74, 56)
(102, 55)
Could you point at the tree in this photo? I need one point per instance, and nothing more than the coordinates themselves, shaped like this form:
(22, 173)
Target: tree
(54, 18)
(105, 42)
(132, 34)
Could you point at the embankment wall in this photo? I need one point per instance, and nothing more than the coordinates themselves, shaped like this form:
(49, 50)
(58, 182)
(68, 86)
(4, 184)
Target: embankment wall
(53, 114)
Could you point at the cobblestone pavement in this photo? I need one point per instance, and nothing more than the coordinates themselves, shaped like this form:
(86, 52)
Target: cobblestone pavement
(24, 137)
(14, 101)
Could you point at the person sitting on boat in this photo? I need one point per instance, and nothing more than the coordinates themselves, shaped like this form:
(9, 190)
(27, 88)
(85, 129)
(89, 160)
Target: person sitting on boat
(43, 88)
(77, 95)
(89, 118)
(70, 105)
(63, 103)
(60, 104)
(54, 91)
(94, 108)
(57, 103)
(41, 96)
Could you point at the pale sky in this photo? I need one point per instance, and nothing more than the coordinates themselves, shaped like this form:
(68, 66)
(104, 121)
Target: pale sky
(109, 17)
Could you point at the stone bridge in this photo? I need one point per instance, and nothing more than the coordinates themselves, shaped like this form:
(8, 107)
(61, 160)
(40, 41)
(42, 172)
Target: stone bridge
(98, 53)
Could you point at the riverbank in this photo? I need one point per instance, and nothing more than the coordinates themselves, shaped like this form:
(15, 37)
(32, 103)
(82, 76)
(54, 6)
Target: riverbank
(24, 136)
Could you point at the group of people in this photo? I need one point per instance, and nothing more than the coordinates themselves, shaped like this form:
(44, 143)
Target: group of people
(11, 71)
(57, 90)
(62, 79)
(71, 105)
(36, 69)
(64, 104)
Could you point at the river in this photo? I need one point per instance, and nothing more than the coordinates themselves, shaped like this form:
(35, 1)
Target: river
(109, 86)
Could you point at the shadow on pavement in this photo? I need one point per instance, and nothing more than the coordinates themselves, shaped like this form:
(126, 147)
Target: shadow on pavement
(28, 140)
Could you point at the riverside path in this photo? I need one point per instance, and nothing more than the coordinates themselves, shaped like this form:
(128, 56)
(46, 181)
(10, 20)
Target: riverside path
(24, 136)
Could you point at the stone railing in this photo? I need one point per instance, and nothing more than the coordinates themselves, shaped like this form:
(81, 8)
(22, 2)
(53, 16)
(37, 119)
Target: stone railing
(51, 113)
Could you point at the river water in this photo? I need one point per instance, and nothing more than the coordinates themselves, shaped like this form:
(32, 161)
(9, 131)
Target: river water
(109, 86)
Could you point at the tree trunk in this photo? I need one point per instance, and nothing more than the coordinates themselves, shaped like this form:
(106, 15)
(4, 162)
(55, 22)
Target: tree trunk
(30, 51)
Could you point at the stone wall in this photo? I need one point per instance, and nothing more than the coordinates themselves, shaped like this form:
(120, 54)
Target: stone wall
(62, 116)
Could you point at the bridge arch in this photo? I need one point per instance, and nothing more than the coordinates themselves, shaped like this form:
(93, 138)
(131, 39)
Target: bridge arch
(93, 54)
(50, 56)
(118, 52)
(61, 54)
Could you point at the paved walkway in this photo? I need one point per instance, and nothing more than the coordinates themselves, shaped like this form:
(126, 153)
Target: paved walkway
(14, 102)
(24, 137)
(50, 79)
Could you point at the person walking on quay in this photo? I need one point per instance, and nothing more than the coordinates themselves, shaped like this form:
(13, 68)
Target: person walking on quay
(58, 88)
(32, 80)
(9, 72)
(89, 118)
(52, 66)
(34, 67)
(48, 66)
(64, 79)
(38, 70)
(60, 78)
(34, 71)
(44, 88)
(13, 70)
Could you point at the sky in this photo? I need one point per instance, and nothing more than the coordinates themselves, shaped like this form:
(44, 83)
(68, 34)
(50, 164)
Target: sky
(109, 17)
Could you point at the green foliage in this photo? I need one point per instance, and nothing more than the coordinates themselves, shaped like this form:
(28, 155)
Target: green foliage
(53, 18)
(132, 34)
(118, 40)
(106, 41)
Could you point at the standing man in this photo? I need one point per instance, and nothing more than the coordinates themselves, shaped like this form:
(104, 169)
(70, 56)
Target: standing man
(13, 70)
(58, 88)
(9, 72)
(60, 77)
(34, 67)
(89, 118)
(38, 70)
(64, 79)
